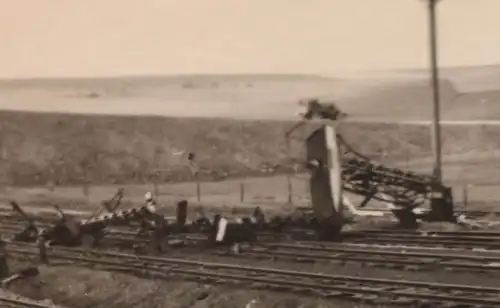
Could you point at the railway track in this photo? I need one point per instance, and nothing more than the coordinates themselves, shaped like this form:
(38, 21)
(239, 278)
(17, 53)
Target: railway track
(432, 232)
(484, 240)
(402, 259)
(430, 239)
(388, 257)
(463, 234)
(18, 302)
(364, 289)
(450, 239)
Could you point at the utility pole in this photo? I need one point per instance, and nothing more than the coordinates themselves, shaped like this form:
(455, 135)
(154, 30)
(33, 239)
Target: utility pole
(441, 197)
(436, 126)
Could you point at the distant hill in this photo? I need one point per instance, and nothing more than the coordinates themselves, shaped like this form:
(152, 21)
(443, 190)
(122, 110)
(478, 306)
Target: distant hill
(154, 80)
(466, 93)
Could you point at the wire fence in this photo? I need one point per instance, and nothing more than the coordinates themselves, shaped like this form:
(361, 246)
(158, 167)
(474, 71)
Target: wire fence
(276, 189)
(279, 190)
(480, 194)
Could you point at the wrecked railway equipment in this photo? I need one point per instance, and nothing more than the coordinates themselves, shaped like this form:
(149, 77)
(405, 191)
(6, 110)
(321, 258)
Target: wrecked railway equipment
(30, 232)
(325, 184)
(69, 231)
(321, 110)
(154, 231)
(335, 168)
(402, 191)
(151, 227)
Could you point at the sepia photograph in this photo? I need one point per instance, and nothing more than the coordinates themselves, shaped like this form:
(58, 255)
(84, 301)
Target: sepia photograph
(250, 154)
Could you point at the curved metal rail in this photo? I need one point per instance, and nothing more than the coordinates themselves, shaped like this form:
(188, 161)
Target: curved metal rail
(375, 181)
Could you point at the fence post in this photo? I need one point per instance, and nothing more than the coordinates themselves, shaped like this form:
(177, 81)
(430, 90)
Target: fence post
(86, 192)
(290, 188)
(242, 191)
(195, 171)
(198, 189)
(156, 188)
(156, 165)
(51, 183)
(465, 196)
(51, 186)
(86, 189)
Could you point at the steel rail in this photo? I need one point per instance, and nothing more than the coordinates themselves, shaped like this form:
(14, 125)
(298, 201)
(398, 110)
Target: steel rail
(460, 235)
(471, 233)
(320, 252)
(408, 236)
(48, 217)
(333, 286)
(18, 302)
(7, 213)
(44, 221)
(448, 239)
(491, 243)
(397, 259)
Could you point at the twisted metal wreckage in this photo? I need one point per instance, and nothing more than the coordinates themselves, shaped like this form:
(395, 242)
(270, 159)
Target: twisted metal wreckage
(334, 168)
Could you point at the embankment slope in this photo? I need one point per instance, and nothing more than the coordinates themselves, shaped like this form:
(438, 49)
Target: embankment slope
(69, 149)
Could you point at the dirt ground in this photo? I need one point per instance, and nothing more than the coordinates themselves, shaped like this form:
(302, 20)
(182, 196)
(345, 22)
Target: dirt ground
(84, 288)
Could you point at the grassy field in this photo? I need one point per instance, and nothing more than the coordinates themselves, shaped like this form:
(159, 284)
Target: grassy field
(272, 194)
(71, 149)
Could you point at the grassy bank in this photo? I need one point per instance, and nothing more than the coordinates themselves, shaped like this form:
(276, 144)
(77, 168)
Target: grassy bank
(37, 148)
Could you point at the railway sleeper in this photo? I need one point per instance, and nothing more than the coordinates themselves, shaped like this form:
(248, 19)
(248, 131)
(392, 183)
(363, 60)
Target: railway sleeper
(365, 297)
(410, 268)
(381, 299)
(468, 266)
(329, 294)
(389, 289)
(395, 301)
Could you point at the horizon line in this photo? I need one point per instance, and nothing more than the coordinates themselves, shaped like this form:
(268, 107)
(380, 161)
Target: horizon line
(243, 74)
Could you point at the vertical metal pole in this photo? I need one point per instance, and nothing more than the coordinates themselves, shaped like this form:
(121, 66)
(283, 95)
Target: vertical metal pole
(156, 177)
(289, 188)
(465, 196)
(436, 128)
(242, 192)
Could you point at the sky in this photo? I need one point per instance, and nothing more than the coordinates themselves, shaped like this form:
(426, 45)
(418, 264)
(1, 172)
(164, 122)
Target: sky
(58, 38)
